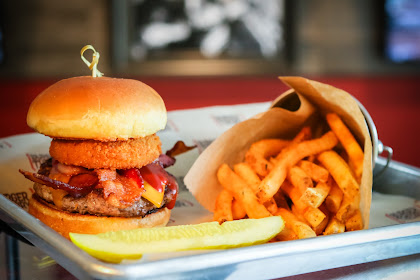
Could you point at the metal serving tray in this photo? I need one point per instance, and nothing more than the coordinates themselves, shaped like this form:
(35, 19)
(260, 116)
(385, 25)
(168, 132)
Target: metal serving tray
(271, 260)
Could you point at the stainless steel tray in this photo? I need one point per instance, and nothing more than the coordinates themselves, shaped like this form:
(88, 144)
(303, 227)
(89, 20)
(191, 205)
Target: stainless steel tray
(257, 262)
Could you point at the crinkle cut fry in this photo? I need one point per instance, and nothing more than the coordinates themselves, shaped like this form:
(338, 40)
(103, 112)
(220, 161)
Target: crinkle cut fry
(272, 182)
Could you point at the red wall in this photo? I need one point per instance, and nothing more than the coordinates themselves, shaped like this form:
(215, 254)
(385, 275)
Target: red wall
(393, 102)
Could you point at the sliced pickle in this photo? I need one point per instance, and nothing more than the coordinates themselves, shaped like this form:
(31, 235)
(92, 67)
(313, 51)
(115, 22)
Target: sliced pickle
(132, 244)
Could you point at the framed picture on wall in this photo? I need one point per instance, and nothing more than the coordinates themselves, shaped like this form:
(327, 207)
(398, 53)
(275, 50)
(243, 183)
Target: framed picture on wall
(201, 37)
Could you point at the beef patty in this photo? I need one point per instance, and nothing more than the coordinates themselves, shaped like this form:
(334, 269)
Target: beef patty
(94, 203)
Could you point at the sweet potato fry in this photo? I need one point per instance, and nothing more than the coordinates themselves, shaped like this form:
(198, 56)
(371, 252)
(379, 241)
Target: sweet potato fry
(260, 151)
(316, 172)
(272, 182)
(314, 197)
(223, 209)
(242, 192)
(346, 138)
(302, 230)
(299, 179)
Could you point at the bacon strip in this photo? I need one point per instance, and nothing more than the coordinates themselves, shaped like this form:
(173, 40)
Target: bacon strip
(179, 148)
(76, 190)
(168, 159)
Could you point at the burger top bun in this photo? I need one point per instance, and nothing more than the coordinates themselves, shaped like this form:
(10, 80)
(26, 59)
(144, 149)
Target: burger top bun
(98, 108)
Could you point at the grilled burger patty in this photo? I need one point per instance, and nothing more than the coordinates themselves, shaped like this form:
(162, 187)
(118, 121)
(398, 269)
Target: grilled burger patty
(95, 203)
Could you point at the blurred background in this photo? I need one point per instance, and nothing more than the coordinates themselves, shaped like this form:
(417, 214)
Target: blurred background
(218, 52)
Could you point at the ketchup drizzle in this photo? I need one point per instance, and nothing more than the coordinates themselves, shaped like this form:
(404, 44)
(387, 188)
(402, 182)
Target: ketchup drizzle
(158, 178)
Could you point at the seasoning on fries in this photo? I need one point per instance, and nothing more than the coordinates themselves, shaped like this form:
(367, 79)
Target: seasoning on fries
(313, 183)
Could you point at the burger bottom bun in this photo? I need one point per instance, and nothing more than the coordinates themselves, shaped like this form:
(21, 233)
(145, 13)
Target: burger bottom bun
(65, 222)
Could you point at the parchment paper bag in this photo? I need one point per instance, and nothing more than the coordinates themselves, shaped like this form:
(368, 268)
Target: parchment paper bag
(288, 114)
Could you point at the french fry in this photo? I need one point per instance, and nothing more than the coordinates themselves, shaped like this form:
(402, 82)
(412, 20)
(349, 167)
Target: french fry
(321, 227)
(301, 229)
(311, 158)
(304, 134)
(271, 206)
(312, 215)
(334, 198)
(286, 234)
(281, 200)
(242, 192)
(346, 138)
(316, 172)
(223, 209)
(260, 151)
(238, 212)
(299, 178)
(291, 178)
(314, 197)
(272, 182)
(247, 174)
(292, 192)
(298, 214)
(355, 222)
(251, 178)
(340, 171)
(348, 207)
(334, 226)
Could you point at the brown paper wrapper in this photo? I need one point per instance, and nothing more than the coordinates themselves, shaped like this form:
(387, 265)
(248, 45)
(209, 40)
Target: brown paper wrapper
(288, 114)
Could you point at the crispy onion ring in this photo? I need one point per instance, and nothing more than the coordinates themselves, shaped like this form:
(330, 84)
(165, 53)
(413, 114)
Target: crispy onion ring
(111, 155)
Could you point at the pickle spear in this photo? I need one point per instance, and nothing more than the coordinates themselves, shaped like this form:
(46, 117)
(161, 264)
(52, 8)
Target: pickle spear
(115, 246)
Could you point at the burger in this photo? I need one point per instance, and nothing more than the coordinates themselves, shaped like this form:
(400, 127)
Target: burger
(106, 170)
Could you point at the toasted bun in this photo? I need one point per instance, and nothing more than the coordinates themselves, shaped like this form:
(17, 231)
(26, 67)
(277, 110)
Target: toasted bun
(97, 108)
(64, 222)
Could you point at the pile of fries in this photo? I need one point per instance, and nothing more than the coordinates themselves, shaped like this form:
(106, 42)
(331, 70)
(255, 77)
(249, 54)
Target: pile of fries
(312, 183)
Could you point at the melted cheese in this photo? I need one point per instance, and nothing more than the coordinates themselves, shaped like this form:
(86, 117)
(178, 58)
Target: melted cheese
(57, 196)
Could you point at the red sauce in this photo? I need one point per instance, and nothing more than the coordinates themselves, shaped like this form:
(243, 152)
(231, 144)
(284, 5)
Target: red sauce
(173, 187)
(154, 174)
(158, 178)
(134, 173)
